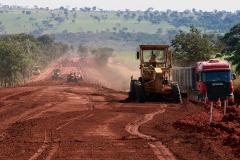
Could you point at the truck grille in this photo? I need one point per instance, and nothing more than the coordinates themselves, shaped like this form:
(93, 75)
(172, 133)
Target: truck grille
(217, 91)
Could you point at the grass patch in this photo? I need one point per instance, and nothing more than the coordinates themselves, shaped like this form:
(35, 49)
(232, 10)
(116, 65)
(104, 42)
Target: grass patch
(17, 22)
(127, 59)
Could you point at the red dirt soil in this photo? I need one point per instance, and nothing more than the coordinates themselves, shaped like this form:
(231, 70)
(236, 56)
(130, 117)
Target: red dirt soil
(55, 119)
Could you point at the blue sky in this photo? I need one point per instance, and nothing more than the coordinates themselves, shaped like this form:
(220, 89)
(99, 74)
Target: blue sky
(160, 5)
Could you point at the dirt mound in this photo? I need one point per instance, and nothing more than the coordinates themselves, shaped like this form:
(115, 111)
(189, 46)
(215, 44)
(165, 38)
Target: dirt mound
(226, 127)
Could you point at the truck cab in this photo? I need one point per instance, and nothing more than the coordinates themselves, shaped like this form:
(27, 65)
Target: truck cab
(214, 80)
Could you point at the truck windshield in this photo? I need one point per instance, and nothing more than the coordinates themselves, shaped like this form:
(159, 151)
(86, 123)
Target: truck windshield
(216, 76)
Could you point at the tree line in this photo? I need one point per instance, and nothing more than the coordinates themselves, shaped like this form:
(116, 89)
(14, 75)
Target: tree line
(190, 47)
(120, 42)
(216, 21)
(20, 52)
(100, 54)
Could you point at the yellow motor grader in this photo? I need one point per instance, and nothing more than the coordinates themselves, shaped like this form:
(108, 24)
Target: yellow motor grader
(155, 74)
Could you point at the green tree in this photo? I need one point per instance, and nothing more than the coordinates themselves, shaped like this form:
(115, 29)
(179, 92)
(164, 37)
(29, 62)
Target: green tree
(133, 15)
(13, 62)
(18, 53)
(114, 28)
(31, 19)
(140, 18)
(104, 18)
(232, 46)
(72, 48)
(118, 14)
(82, 51)
(101, 55)
(126, 17)
(46, 39)
(194, 46)
(159, 31)
(94, 8)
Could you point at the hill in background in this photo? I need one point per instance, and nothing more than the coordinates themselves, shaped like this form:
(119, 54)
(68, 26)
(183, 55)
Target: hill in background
(89, 26)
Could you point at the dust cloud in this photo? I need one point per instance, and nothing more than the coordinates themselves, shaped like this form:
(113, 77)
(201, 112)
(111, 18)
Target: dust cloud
(114, 75)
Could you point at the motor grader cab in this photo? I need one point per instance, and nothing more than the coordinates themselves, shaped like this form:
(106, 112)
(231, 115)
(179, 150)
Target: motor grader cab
(155, 71)
(56, 74)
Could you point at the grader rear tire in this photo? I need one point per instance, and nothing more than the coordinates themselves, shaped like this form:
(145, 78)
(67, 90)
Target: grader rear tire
(176, 93)
(139, 92)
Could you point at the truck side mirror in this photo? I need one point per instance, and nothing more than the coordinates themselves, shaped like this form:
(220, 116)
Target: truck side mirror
(234, 76)
(137, 55)
(198, 77)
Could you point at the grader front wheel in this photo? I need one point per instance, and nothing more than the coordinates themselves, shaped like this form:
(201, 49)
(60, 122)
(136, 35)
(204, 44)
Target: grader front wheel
(132, 93)
(139, 92)
(176, 93)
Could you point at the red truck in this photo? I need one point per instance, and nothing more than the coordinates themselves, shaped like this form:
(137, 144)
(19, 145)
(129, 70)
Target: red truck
(212, 79)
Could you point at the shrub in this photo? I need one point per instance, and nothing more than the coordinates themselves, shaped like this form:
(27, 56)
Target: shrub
(101, 55)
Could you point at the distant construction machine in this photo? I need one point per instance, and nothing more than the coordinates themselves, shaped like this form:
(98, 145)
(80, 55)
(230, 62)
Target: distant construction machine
(57, 74)
(155, 72)
(36, 70)
(74, 76)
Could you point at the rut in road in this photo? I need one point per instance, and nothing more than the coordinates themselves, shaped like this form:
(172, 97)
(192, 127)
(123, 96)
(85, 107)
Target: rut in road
(52, 140)
(159, 149)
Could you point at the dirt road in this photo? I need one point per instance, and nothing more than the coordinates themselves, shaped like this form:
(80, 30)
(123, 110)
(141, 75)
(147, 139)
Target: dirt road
(49, 119)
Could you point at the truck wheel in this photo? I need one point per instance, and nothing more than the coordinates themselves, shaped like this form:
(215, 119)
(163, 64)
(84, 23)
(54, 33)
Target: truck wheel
(176, 93)
(139, 92)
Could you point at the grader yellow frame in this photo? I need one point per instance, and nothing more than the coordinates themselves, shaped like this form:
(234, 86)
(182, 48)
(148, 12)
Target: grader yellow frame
(155, 76)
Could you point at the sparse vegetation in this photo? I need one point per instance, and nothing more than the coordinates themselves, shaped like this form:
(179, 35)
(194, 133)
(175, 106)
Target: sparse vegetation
(119, 30)
(20, 52)
(101, 55)
(194, 46)
(232, 48)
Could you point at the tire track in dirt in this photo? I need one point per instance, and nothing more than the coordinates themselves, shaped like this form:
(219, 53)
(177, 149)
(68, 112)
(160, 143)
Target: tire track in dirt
(25, 116)
(159, 149)
(18, 98)
(27, 113)
(41, 150)
(53, 142)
